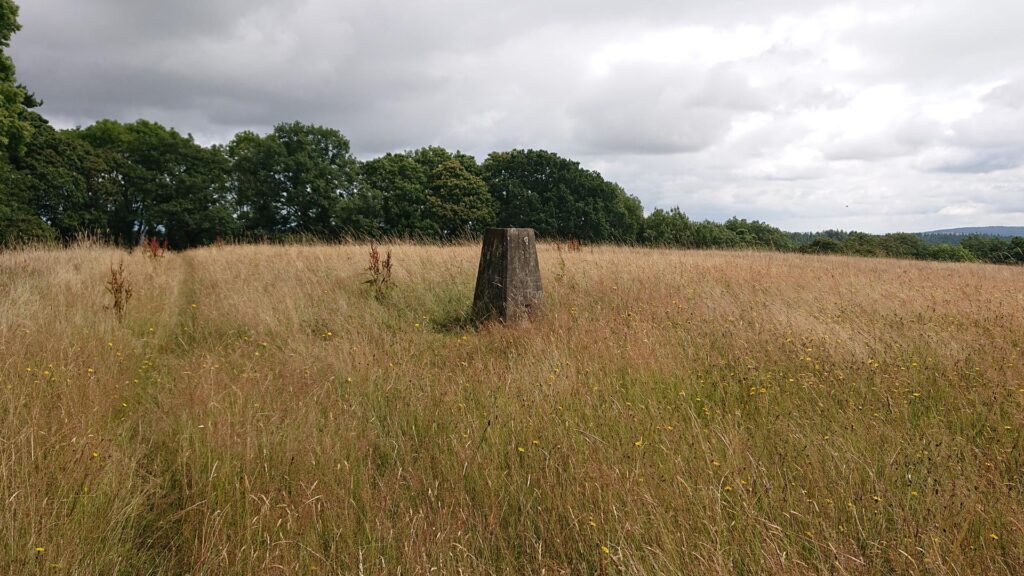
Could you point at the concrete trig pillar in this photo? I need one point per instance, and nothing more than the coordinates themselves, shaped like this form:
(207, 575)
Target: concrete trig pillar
(508, 284)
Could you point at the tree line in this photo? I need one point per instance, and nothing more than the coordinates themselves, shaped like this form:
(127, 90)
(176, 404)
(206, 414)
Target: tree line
(943, 247)
(127, 182)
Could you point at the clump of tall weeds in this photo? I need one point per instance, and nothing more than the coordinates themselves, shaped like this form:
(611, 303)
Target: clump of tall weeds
(119, 285)
(380, 273)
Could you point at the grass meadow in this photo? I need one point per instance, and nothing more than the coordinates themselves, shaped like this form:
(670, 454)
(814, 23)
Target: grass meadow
(258, 410)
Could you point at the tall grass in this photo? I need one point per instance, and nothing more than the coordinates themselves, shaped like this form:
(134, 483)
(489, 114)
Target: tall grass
(259, 411)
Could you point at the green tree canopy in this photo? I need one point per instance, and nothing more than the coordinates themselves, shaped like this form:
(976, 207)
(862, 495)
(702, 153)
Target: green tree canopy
(427, 193)
(948, 253)
(15, 128)
(396, 186)
(67, 182)
(19, 222)
(458, 202)
(164, 184)
(756, 234)
(822, 245)
(256, 163)
(560, 199)
(669, 228)
(294, 180)
(992, 249)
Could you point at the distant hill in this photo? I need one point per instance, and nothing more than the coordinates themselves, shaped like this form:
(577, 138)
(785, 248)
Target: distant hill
(1002, 231)
(951, 236)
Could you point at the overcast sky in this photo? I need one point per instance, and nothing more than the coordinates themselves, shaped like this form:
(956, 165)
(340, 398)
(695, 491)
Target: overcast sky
(877, 115)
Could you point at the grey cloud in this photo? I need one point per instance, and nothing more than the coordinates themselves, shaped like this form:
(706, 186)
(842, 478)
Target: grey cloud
(905, 138)
(970, 161)
(773, 134)
(653, 110)
(990, 140)
(1000, 124)
(943, 42)
(1009, 95)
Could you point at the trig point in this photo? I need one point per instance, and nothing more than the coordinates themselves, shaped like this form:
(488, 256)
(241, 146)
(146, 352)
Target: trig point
(508, 283)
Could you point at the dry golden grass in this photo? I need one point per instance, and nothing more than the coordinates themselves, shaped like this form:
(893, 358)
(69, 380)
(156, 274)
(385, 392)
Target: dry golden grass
(260, 412)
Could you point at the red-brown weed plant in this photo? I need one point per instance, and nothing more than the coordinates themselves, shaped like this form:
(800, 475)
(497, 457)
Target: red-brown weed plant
(119, 285)
(574, 245)
(380, 272)
(154, 247)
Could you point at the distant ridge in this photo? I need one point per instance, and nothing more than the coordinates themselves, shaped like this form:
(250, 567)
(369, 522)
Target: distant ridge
(1002, 231)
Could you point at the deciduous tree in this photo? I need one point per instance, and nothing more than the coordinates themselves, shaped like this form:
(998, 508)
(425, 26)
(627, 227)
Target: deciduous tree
(458, 202)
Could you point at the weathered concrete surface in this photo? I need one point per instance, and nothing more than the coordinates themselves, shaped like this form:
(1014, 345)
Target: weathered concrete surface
(508, 284)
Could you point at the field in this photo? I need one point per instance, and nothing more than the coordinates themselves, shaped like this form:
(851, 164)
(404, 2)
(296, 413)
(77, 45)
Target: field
(259, 410)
